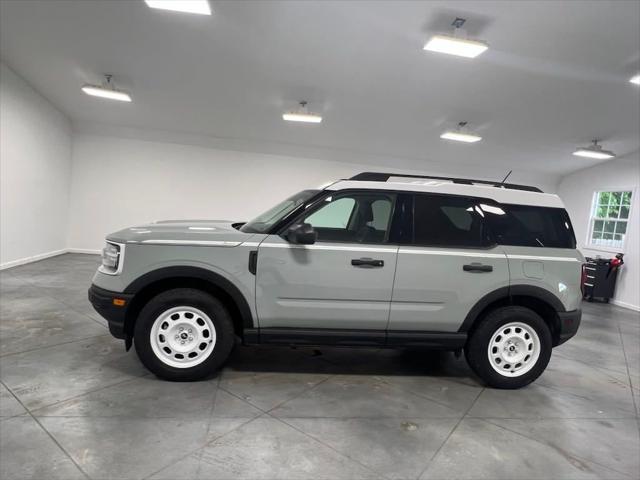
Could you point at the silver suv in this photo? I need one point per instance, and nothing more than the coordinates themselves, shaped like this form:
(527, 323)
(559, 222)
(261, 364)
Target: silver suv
(378, 260)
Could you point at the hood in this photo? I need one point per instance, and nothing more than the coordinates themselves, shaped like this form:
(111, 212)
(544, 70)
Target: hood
(182, 231)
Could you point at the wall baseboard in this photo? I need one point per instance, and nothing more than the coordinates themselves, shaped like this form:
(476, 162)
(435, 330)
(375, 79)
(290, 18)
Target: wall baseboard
(86, 251)
(34, 258)
(42, 256)
(629, 306)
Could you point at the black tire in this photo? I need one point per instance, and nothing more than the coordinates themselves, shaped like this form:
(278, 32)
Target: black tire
(476, 350)
(187, 297)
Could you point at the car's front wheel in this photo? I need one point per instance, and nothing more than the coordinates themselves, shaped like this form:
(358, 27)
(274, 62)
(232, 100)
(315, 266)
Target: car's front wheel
(510, 348)
(183, 334)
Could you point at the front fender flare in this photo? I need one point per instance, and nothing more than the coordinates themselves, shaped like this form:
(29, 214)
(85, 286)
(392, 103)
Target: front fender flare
(215, 279)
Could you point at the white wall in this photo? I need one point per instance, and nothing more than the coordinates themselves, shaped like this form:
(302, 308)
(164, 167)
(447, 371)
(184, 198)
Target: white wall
(577, 192)
(120, 182)
(35, 172)
(68, 190)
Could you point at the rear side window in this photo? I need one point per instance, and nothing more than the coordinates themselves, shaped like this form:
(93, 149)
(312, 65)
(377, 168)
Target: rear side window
(448, 221)
(530, 226)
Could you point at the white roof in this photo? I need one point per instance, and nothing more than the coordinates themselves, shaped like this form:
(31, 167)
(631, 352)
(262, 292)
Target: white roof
(502, 195)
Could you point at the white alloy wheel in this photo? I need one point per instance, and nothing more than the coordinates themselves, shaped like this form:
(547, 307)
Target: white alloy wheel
(514, 349)
(183, 337)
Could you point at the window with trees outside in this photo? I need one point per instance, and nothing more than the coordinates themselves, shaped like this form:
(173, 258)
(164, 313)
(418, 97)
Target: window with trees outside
(609, 219)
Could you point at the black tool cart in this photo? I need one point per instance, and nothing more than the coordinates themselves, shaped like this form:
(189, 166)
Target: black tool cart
(600, 276)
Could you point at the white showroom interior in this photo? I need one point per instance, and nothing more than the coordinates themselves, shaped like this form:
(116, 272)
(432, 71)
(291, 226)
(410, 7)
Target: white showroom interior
(203, 137)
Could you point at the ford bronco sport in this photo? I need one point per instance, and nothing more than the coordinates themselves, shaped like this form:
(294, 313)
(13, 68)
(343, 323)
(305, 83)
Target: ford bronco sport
(378, 260)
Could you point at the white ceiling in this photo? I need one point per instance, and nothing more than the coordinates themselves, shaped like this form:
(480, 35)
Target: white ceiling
(555, 77)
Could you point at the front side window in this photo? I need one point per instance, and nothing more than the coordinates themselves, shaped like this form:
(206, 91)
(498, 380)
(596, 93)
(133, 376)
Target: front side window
(264, 222)
(609, 218)
(353, 218)
(333, 214)
(448, 221)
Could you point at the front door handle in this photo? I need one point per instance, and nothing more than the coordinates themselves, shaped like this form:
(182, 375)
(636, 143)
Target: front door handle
(367, 263)
(477, 267)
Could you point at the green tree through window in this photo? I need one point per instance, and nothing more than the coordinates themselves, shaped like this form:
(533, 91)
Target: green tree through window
(609, 218)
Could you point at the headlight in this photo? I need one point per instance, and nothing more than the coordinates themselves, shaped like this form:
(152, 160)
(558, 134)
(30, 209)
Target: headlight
(112, 255)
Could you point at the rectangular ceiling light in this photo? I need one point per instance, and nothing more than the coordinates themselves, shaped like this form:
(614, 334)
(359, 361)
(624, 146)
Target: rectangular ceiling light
(635, 79)
(461, 47)
(592, 153)
(102, 92)
(302, 117)
(201, 7)
(460, 137)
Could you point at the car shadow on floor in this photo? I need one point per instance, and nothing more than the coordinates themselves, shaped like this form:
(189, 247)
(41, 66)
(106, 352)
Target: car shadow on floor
(350, 361)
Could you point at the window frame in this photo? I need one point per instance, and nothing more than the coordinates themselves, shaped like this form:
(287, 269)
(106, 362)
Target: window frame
(510, 207)
(317, 204)
(592, 219)
(488, 245)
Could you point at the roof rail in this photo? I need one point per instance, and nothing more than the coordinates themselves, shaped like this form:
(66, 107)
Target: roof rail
(383, 177)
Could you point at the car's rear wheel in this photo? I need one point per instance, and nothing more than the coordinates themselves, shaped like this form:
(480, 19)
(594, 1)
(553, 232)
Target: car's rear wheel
(183, 334)
(510, 348)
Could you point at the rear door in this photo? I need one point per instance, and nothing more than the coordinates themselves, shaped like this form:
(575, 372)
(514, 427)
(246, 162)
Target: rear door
(344, 280)
(447, 262)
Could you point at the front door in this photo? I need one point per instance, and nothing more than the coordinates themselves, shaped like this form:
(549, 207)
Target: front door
(344, 280)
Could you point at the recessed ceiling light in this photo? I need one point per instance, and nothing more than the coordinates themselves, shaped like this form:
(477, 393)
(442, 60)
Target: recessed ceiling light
(201, 7)
(106, 90)
(635, 79)
(456, 44)
(594, 151)
(302, 114)
(460, 135)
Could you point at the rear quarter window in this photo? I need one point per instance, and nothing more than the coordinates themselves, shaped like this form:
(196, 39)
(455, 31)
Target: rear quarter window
(530, 226)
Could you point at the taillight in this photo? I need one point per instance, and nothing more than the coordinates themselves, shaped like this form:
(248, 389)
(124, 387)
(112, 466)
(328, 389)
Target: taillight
(583, 277)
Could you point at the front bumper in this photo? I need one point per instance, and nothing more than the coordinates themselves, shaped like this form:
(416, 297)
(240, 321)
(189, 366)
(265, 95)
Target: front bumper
(112, 306)
(569, 323)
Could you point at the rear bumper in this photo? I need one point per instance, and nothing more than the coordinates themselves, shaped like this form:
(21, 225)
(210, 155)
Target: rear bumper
(569, 323)
(103, 302)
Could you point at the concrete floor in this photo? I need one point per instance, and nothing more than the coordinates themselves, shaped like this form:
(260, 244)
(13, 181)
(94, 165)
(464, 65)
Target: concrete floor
(73, 404)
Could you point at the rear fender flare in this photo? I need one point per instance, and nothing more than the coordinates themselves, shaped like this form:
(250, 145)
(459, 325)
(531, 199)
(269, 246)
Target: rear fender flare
(507, 293)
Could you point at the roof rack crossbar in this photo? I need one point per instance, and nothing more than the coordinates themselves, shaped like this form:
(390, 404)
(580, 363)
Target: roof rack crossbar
(383, 177)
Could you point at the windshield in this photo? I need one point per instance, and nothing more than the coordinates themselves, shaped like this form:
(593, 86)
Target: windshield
(268, 219)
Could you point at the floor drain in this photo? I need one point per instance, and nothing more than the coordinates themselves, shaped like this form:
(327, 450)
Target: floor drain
(409, 427)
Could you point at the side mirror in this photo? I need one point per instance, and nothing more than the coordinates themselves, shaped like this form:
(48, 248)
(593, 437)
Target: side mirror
(302, 234)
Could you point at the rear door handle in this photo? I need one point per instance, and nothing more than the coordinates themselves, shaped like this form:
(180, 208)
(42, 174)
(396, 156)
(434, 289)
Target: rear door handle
(477, 267)
(367, 263)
